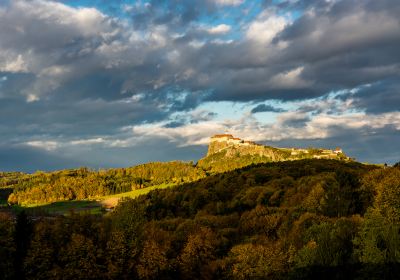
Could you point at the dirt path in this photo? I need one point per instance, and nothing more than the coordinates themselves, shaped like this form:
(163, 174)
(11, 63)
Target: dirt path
(110, 202)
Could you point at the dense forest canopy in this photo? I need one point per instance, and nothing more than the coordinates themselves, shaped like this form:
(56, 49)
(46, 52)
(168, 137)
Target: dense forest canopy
(320, 219)
(84, 183)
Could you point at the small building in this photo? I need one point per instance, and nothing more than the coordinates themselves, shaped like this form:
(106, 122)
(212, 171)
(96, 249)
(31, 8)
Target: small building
(235, 141)
(221, 138)
(248, 143)
(338, 151)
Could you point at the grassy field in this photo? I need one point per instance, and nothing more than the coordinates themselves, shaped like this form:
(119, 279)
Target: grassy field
(62, 208)
(97, 206)
(110, 201)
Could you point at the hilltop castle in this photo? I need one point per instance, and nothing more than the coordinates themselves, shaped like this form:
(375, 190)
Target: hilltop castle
(231, 144)
(231, 140)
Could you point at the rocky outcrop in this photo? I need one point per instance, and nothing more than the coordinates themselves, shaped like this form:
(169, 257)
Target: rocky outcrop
(226, 152)
(232, 146)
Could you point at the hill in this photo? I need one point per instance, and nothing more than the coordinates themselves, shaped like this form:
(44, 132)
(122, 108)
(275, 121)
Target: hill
(305, 219)
(226, 152)
(83, 183)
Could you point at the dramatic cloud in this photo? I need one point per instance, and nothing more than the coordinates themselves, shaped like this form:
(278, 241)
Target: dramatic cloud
(266, 108)
(102, 75)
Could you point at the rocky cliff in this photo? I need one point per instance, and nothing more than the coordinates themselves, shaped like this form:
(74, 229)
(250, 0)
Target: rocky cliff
(232, 146)
(226, 152)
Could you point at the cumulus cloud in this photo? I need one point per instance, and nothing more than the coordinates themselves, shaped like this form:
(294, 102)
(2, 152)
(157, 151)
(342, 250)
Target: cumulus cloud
(80, 76)
(219, 29)
(13, 66)
(46, 145)
(290, 125)
(264, 29)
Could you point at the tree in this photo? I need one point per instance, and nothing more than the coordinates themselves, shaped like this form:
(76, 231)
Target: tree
(379, 239)
(257, 261)
(7, 247)
(22, 235)
(41, 256)
(153, 261)
(120, 260)
(197, 254)
(79, 259)
(341, 194)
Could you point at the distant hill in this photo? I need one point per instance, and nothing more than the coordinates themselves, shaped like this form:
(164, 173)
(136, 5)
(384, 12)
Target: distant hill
(294, 220)
(83, 183)
(290, 219)
(226, 152)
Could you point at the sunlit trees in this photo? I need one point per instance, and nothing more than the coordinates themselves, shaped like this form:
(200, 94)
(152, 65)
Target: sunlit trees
(379, 240)
(198, 254)
(257, 261)
(270, 221)
(83, 183)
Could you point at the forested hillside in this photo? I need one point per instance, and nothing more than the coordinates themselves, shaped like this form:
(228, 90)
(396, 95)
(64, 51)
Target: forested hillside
(84, 183)
(226, 153)
(309, 219)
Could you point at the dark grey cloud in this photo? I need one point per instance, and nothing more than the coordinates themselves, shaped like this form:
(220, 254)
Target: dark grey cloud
(373, 148)
(175, 124)
(193, 118)
(80, 118)
(296, 121)
(27, 159)
(30, 159)
(266, 108)
(68, 74)
(378, 98)
(337, 48)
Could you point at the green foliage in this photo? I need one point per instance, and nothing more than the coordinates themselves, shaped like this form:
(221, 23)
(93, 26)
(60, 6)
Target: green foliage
(322, 219)
(328, 243)
(196, 256)
(219, 162)
(7, 247)
(379, 239)
(257, 261)
(342, 194)
(83, 183)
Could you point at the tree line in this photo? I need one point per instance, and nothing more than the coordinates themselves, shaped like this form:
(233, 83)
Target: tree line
(83, 183)
(308, 219)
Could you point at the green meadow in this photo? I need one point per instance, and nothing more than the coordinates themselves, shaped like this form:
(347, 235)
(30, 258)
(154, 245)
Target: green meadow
(89, 206)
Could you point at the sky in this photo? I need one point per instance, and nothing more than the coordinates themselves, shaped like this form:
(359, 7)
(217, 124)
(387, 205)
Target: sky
(105, 84)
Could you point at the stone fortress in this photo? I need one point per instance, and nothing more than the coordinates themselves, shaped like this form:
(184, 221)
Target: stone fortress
(228, 142)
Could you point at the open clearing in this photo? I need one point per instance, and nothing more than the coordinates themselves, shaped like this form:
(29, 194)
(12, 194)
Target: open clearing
(111, 201)
(90, 206)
